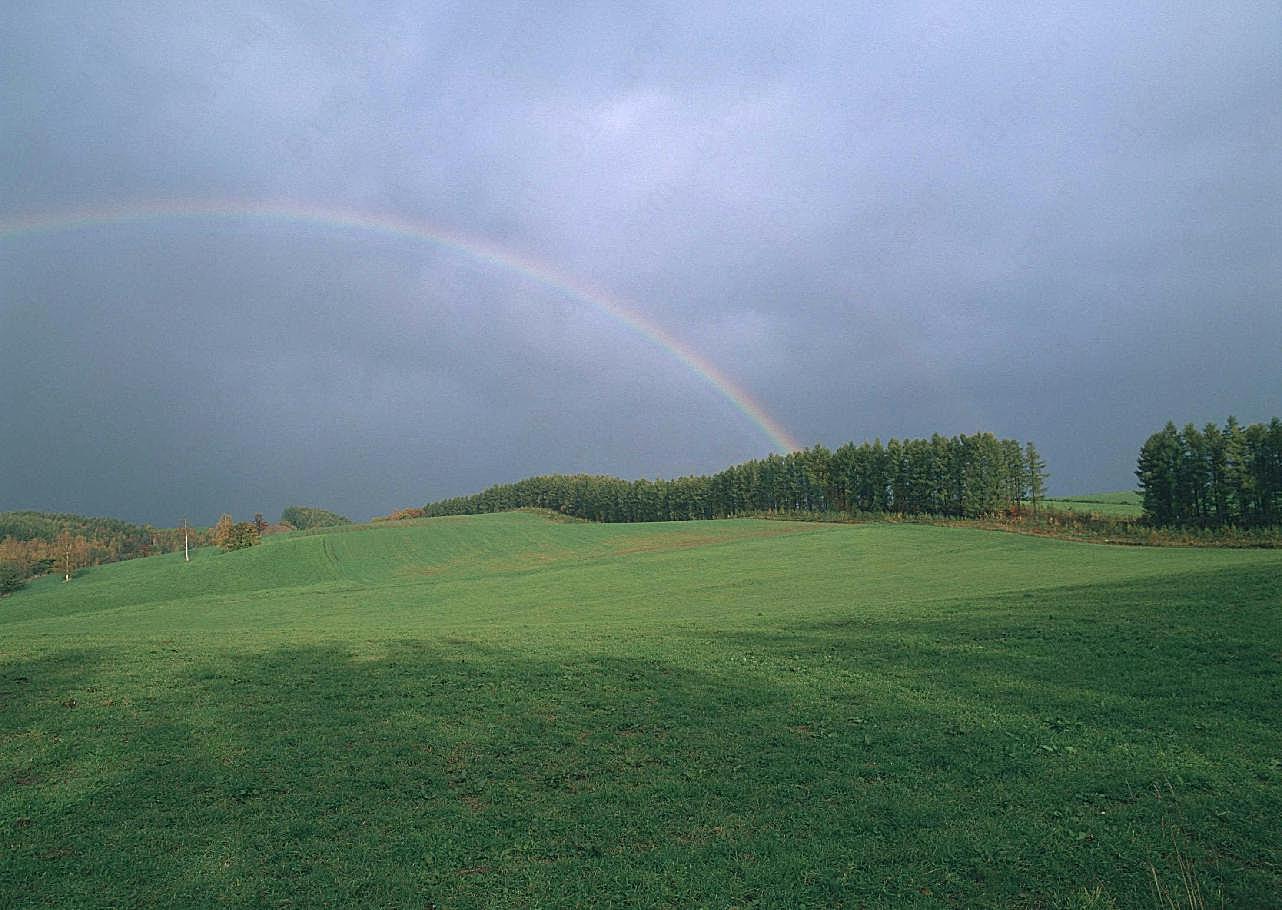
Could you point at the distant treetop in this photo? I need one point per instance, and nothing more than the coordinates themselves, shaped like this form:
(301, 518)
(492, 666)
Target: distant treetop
(305, 517)
(962, 475)
(1212, 477)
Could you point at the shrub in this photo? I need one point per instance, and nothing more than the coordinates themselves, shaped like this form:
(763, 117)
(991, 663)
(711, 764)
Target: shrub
(243, 534)
(304, 517)
(10, 578)
(238, 536)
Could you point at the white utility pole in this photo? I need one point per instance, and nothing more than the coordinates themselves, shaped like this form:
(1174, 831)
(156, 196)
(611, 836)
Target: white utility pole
(186, 551)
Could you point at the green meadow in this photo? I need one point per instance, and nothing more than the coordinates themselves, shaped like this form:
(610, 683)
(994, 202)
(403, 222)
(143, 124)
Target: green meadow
(1126, 504)
(509, 711)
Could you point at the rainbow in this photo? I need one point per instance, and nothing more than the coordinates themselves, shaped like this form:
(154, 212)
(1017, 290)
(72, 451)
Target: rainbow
(388, 225)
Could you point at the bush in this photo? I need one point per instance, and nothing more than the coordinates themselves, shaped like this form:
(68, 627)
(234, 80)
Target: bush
(238, 536)
(10, 578)
(304, 518)
(243, 534)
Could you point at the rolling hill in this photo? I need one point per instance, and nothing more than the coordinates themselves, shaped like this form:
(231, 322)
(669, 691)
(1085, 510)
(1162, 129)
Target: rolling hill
(505, 710)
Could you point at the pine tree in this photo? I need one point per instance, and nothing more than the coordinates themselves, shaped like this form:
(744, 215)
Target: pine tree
(1158, 472)
(1237, 475)
(1272, 473)
(1216, 473)
(1035, 474)
(1255, 446)
(11, 578)
(1191, 490)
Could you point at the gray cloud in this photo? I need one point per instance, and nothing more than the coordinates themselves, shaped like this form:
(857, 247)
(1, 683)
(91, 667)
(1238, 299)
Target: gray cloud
(1056, 224)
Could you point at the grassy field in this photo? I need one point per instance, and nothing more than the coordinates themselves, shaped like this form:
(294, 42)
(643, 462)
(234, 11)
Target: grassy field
(1126, 504)
(507, 711)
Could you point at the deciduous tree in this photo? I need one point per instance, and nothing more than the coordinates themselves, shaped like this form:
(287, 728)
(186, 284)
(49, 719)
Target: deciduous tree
(222, 534)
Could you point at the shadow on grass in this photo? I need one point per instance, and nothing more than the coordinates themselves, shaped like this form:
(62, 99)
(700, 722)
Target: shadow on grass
(999, 753)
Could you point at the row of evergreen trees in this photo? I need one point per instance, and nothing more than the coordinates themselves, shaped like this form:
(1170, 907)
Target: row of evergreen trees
(1213, 476)
(959, 476)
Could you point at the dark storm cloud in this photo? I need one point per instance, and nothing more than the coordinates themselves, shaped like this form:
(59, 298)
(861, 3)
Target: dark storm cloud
(1056, 224)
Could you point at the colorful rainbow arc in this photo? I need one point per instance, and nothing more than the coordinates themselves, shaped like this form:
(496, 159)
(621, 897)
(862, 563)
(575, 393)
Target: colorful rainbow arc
(392, 225)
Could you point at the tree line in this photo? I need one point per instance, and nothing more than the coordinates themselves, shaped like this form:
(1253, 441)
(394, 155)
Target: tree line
(37, 543)
(1213, 477)
(959, 476)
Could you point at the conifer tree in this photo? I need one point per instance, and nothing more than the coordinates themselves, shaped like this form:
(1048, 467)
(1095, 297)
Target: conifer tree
(1016, 475)
(1035, 472)
(11, 578)
(1192, 475)
(1217, 498)
(1158, 473)
(1237, 476)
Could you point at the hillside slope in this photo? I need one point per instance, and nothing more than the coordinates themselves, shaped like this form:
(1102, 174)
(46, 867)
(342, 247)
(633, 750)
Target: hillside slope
(508, 711)
(417, 575)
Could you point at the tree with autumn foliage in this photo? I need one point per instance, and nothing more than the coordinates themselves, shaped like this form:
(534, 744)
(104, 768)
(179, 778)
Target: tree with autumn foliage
(222, 531)
(72, 554)
(230, 535)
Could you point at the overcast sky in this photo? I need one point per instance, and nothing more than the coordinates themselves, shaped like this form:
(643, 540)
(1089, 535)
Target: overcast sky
(1062, 225)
